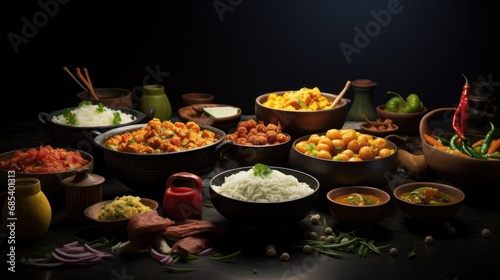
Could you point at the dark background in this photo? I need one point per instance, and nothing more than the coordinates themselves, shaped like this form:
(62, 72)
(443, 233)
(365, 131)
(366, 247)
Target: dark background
(239, 49)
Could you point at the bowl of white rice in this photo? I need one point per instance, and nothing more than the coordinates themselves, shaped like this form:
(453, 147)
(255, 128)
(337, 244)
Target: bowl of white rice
(279, 198)
(72, 127)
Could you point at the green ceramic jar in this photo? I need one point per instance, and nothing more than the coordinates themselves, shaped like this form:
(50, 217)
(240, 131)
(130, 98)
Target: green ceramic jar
(154, 96)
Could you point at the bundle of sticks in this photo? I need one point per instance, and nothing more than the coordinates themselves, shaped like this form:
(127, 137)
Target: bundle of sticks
(84, 79)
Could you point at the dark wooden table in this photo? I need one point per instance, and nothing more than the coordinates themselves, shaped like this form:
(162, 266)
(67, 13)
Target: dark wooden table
(464, 254)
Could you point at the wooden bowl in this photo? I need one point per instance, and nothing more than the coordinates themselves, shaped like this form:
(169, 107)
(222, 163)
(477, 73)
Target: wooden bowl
(366, 128)
(92, 213)
(109, 97)
(300, 123)
(197, 114)
(429, 213)
(407, 122)
(474, 176)
(356, 216)
(197, 98)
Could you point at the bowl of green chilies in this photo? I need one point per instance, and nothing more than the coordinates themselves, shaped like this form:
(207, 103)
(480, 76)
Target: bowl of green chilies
(471, 163)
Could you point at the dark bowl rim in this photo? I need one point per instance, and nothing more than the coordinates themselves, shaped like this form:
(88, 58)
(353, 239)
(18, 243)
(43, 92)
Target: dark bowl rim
(246, 168)
(140, 116)
(296, 141)
(386, 198)
(399, 188)
(343, 103)
(104, 202)
(51, 173)
(100, 136)
(124, 90)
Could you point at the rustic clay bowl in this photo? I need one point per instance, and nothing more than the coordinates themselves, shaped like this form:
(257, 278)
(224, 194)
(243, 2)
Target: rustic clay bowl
(148, 173)
(197, 98)
(195, 113)
(300, 123)
(356, 216)
(109, 97)
(408, 123)
(264, 214)
(51, 183)
(472, 175)
(429, 213)
(366, 128)
(92, 214)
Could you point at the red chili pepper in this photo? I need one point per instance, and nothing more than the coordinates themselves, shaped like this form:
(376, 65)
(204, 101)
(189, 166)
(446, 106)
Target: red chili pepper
(460, 116)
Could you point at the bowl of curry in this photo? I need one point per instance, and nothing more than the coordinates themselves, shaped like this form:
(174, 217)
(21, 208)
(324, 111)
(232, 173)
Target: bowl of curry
(358, 206)
(143, 156)
(429, 201)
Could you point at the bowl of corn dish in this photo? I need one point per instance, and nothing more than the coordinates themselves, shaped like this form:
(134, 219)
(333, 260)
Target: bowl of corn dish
(303, 111)
(113, 215)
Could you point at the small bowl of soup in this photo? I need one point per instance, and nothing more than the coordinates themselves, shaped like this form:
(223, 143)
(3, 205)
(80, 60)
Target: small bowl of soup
(358, 206)
(429, 201)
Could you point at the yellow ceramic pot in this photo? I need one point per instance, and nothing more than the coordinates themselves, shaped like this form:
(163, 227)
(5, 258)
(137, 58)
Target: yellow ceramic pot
(26, 211)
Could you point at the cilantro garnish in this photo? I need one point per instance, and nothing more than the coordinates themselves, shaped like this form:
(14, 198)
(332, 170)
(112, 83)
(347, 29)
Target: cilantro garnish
(117, 119)
(70, 117)
(261, 170)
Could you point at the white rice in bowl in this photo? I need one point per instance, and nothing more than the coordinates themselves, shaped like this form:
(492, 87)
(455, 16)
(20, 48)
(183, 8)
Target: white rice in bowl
(275, 187)
(89, 115)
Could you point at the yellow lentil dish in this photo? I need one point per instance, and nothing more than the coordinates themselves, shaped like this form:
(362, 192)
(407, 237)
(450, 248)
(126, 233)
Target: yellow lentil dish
(305, 99)
(345, 145)
(122, 208)
(162, 137)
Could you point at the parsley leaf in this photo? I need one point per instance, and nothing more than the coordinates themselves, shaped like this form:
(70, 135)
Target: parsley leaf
(261, 170)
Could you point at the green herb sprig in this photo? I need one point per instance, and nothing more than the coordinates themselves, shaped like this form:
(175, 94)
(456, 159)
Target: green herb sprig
(261, 170)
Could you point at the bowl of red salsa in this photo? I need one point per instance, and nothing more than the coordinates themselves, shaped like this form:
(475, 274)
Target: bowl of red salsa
(48, 164)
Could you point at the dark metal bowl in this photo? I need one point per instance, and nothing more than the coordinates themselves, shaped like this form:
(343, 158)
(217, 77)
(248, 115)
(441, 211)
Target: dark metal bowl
(332, 174)
(264, 214)
(80, 137)
(148, 173)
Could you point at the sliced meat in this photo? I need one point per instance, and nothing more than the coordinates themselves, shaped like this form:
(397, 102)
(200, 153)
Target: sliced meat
(191, 228)
(141, 227)
(190, 245)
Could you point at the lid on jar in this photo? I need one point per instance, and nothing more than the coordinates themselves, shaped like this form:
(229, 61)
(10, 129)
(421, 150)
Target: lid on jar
(363, 83)
(83, 179)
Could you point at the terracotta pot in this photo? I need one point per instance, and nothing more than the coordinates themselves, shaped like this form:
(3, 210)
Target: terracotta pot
(300, 123)
(109, 97)
(474, 175)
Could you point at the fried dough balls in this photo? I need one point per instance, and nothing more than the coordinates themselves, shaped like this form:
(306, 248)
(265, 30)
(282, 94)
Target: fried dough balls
(251, 132)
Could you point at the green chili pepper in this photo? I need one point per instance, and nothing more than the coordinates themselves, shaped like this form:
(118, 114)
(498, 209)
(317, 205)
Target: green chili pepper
(467, 148)
(487, 139)
(453, 143)
(494, 155)
(398, 104)
(443, 140)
